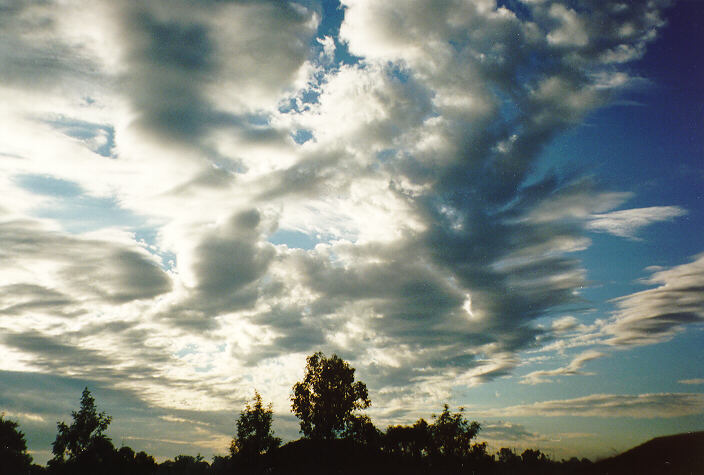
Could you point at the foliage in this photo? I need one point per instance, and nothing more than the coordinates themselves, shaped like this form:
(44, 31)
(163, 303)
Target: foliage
(13, 448)
(185, 465)
(85, 434)
(508, 457)
(414, 440)
(361, 430)
(452, 434)
(254, 433)
(531, 457)
(327, 396)
(135, 464)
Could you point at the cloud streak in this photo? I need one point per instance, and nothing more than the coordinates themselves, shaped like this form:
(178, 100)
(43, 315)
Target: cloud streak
(645, 406)
(659, 313)
(574, 368)
(626, 223)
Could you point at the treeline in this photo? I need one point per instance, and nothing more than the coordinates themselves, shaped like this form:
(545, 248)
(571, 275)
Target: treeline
(335, 439)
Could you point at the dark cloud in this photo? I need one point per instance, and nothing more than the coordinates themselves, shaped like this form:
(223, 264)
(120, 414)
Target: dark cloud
(21, 298)
(85, 269)
(187, 75)
(507, 431)
(228, 265)
(34, 53)
(50, 353)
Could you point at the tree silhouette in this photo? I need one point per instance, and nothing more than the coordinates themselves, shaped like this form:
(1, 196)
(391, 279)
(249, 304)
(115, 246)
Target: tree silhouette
(414, 441)
(85, 435)
(254, 434)
(508, 457)
(13, 448)
(452, 433)
(534, 458)
(327, 396)
(362, 431)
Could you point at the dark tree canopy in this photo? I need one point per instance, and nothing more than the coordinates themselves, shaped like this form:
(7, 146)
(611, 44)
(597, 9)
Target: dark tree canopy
(414, 441)
(327, 396)
(452, 434)
(254, 433)
(13, 448)
(362, 431)
(85, 434)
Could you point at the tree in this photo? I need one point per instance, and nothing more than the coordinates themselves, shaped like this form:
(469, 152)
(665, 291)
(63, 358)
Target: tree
(254, 434)
(452, 433)
(13, 448)
(412, 440)
(362, 431)
(185, 465)
(508, 457)
(533, 458)
(327, 396)
(85, 435)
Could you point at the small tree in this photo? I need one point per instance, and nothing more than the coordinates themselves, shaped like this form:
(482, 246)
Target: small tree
(327, 396)
(85, 434)
(13, 448)
(254, 433)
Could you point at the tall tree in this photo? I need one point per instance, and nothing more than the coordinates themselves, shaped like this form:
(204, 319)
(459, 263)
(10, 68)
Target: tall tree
(254, 433)
(13, 448)
(327, 396)
(85, 434)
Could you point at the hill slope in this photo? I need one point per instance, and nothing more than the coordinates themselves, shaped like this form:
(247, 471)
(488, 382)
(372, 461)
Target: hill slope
(675, 454)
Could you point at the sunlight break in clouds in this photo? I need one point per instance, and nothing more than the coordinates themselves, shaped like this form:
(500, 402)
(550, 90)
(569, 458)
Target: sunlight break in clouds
(158, 149)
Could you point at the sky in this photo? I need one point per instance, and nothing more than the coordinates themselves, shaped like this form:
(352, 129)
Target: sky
(497, 205)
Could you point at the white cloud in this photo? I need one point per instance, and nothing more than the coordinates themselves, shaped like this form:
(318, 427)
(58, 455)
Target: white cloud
(626, 223)
(574, 368)
(564, 324)
(571, 31)
(435, 253)
(657, 314)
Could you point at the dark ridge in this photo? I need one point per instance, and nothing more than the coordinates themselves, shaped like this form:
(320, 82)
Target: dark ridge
(680, 454)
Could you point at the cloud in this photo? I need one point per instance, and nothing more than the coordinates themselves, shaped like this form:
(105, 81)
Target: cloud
(692, 381)
(187, 72)
(571, 369)
(657, 314)
(507, 431)
(564, 324)
(640, 406)
(626, 223)
(157, 148)
(86, 268)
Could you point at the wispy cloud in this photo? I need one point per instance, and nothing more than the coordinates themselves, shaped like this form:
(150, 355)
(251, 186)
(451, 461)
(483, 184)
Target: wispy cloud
(657, 314)
(626, 223)
(692, 381)
(640, 406)
(574, 368)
